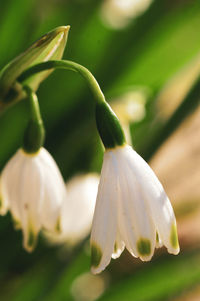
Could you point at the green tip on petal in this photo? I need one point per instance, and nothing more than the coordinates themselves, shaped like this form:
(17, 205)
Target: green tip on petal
(58, 227)
(17, 224)
(3, 208)
(174, 237)
(157, 237)
(31, 241)
(115, 247)
(144, 247)
(96, 255)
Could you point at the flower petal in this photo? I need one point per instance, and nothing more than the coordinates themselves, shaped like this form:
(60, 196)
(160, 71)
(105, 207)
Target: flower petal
(81, 194)
(9, 184)
(135, 216)
(118, 246)
(104, 225)
(157, 200)
(30, 192)
(4, 205)
(159, 243)
(54, 193)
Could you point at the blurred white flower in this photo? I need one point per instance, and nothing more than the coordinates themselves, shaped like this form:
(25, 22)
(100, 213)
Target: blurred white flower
(33, 189)
(77, 211)
(130, 107)
(118, 13)
(132, 210)
(97, 285)
(177, 87)
(3, 204)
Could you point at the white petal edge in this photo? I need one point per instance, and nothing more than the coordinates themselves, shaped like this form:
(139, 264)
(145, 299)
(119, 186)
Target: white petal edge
(104, 224)
(54, 193)
(135, 222)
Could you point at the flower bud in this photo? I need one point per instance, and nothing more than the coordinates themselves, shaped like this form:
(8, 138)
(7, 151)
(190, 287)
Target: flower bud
(49, 47)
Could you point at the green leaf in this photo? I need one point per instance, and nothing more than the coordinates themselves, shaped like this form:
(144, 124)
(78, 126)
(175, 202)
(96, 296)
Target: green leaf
(158, 280)
(61, 288)
(162, 49)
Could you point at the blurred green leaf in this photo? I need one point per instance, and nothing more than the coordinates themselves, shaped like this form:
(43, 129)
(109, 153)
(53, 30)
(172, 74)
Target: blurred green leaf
(14, 14)
(61, 289)
(158, 280)
(48, 279)
(28, 285)
(162, 48)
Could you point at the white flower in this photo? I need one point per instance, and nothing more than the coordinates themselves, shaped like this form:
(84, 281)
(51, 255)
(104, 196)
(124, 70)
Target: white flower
(77, 211)
(132, 210)
(33, 189)
(118, 14)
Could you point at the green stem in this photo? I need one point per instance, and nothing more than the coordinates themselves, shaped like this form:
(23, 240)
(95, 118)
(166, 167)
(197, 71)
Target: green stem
(108, 125)
(34, 133)
(69, 65)
(34, 105)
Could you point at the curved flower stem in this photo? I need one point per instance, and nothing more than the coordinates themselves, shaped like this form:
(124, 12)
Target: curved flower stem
(34, 105)
(69, 65)
(108, 125)
(34, 134)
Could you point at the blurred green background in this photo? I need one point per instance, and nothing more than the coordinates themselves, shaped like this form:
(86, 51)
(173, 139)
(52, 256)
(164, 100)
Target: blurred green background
(153, 51)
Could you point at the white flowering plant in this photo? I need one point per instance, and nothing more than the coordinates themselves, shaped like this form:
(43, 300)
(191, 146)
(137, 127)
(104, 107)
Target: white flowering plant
(77, 196)
(132, 208)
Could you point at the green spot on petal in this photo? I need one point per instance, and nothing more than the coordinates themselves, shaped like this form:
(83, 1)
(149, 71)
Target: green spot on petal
(157, 237)
(96, 255)
(115, 247)
(58, 225)
(144, 246)
(17, 224)
(174, 237)
(31, 239)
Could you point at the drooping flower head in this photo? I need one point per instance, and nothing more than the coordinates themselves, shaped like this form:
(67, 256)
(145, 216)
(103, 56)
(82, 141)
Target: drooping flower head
(33, 190)
(132, 209)
(31, 184)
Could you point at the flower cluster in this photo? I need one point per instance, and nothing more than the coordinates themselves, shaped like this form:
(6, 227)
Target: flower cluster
(132, 209)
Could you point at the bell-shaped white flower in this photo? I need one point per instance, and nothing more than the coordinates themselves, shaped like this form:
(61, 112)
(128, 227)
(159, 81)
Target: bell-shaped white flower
(3, 203)
(33, 189)
(77, 211)
(132, 210)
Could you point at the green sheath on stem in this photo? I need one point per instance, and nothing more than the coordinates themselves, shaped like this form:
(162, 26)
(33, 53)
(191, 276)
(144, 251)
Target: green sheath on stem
(34, 133)
(108, 126)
